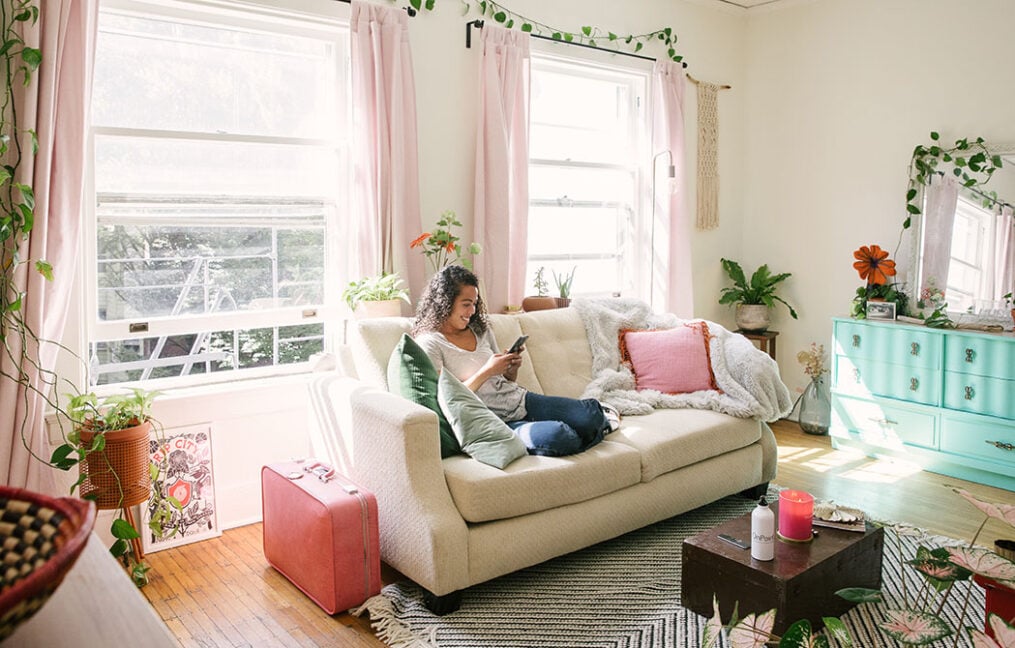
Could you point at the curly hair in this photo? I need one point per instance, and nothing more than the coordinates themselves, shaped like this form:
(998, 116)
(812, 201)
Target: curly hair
(438, 301)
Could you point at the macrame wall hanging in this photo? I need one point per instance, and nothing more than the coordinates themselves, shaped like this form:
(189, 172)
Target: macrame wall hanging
(708, 153)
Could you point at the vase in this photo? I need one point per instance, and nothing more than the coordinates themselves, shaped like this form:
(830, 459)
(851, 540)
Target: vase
(815, 408)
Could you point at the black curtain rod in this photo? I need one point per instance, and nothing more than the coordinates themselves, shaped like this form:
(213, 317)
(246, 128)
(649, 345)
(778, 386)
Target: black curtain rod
(478, 24)
(408, 10)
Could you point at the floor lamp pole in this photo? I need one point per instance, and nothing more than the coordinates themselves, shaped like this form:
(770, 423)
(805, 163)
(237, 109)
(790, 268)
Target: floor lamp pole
(671, 173)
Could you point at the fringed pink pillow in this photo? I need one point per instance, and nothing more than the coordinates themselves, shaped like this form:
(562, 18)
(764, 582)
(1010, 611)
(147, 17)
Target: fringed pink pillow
(671, 361)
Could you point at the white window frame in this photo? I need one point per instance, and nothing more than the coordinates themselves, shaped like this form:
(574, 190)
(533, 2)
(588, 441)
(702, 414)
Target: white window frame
(306, 18)
(634, 237)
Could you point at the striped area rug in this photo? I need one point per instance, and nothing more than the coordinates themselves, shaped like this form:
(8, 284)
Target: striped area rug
(623, 593)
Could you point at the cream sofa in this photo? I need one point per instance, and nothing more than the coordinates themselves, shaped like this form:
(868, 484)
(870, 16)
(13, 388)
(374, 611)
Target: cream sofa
(449, 524)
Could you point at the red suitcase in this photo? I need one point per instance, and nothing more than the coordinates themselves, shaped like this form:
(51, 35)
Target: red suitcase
(320, 532)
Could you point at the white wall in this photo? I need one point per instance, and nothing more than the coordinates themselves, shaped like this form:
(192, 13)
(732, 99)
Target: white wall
(839, 92)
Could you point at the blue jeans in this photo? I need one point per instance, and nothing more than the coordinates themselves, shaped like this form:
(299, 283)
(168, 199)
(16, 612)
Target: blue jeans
(555, 426)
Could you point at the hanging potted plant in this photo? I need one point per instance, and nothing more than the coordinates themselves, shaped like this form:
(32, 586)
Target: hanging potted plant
(753, 299)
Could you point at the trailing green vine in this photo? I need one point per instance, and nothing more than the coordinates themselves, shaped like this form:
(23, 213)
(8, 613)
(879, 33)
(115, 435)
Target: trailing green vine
(588, 35)
(972, 162)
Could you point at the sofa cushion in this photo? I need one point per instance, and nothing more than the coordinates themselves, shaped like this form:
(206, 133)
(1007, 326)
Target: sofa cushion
(506, 329)
(671, 361)
(559, 348)
(482, 493)
(668, 439)
(371, 341)
(482, 435)
(412, 375)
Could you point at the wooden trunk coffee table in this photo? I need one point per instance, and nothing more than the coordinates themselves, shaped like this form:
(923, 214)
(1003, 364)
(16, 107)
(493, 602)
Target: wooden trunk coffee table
(800, 582)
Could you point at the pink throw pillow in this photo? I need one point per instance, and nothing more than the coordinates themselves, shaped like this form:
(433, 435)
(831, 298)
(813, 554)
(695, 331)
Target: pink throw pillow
(672, 361)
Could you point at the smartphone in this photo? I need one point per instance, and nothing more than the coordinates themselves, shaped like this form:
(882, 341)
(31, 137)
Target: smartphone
(519, 343)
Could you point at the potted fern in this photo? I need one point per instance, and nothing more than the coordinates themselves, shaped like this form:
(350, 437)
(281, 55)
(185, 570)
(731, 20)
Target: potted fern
(753, 298)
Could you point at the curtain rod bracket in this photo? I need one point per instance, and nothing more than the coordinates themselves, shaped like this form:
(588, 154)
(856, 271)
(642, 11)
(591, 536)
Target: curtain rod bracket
(478, 24)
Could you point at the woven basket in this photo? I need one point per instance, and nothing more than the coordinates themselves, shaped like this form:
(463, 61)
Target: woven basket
(40, 538)
(122, 464)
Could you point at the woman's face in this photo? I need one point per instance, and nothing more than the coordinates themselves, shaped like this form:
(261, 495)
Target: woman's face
(464, 308)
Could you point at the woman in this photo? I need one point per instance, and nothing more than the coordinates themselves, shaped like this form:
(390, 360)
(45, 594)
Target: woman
(451, 327)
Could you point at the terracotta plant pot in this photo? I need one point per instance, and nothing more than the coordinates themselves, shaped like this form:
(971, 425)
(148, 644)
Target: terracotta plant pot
(122, 464)
(536, 303)
(752, 317)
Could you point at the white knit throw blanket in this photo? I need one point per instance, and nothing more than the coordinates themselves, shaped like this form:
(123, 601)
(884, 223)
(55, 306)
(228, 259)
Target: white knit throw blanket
(749, 378)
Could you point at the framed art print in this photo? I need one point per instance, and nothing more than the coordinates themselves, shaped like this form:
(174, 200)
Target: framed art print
(880, 310)
(186, 459)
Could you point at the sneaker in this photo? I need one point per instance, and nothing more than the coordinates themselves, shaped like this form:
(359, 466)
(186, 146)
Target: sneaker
(612, 416)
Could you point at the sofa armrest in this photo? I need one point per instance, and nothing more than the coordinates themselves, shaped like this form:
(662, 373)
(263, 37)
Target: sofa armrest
(391, 446)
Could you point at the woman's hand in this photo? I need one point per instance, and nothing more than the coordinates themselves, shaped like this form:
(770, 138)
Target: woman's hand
(505, 364)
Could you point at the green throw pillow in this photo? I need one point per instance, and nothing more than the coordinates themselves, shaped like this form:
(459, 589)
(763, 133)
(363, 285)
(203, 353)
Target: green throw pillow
(483, 436)
(412, 375)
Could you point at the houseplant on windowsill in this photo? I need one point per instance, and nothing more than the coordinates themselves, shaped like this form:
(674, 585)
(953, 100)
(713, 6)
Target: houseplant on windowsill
(564, 282)
(110, 444)
(442, 246)
(753, 299)
(541, 300)
(378, 296)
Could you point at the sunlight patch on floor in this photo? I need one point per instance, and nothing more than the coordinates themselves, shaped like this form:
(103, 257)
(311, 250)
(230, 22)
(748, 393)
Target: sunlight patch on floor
(882, 471)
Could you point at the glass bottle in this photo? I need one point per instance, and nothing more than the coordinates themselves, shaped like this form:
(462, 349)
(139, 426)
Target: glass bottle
(815, 408)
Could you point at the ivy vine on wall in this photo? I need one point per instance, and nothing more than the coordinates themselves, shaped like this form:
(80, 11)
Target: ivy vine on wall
(587, 35)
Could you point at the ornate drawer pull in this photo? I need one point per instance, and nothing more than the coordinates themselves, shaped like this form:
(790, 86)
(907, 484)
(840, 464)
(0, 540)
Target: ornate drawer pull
(856, 374)
(856, 341)
(969, 392)
(914, 349)
(1002, 445)
(914, 384)
(969, 355)
(882, 421)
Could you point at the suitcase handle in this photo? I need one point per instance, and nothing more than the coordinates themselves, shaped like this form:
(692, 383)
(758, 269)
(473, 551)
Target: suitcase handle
(320, 470)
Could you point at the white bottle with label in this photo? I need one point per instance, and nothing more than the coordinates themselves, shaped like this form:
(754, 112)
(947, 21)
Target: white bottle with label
(762, 532)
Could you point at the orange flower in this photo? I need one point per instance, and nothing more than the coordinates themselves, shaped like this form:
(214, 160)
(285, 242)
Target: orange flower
(450, 246)
(873, 264)
(418, 241)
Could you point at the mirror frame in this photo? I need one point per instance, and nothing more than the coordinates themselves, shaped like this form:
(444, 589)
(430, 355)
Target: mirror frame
(922, 167)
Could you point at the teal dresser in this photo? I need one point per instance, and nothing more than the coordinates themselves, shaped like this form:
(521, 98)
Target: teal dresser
(944, 399)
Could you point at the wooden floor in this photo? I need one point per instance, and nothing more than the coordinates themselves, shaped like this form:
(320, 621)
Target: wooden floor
(221, 592)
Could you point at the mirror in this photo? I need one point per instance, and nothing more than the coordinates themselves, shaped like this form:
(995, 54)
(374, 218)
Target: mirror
(964, 242)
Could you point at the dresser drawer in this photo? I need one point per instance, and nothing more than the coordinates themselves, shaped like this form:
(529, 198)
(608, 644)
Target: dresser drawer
(979, 438)
(883, 424)
(863, 377)
(982, 355)
(889, 343)
(979, 394)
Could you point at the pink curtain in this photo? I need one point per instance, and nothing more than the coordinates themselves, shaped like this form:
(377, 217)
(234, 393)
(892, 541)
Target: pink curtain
(671, 258)
(1002, 279)
(502, 166)
(386, 190)
(56, 106)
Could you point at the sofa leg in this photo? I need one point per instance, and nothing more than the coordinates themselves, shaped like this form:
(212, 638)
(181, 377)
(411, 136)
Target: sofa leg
(441, 605)
(755, 492)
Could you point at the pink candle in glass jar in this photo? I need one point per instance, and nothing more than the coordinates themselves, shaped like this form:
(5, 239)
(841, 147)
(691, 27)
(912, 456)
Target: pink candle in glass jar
(796, 508)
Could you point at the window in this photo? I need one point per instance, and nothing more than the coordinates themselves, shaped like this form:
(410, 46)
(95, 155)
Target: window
(219, 156)
(586, 140)
(971, 232)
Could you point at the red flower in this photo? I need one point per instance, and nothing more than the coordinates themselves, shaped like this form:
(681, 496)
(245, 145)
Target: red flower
(873, 264)
(418, 241)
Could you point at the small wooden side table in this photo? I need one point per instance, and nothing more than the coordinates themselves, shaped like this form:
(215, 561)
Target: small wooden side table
(765, 339)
